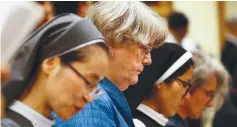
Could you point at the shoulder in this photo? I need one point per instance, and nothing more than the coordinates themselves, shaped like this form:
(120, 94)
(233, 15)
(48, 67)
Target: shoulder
(8, 123)
(15, 119)
(138, 123)
(230, 46)
(99, 113)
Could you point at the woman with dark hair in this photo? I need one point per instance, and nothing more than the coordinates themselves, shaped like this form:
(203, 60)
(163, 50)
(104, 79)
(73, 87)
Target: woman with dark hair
(162, 87)
(57, 69)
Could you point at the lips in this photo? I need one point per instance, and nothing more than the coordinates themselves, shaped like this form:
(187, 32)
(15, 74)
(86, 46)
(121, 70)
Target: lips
(140, 70)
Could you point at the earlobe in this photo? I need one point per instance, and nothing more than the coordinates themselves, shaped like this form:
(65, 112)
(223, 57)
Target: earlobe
(51, 65)
(111, 48)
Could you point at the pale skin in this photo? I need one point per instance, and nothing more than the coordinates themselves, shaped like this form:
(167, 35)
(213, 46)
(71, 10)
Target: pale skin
(200, 98)
(168, 98)
(126, 63)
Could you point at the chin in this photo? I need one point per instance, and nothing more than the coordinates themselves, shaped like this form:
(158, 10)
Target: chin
(171, 114)
(65, 117)
(195, 116)
(134, 80)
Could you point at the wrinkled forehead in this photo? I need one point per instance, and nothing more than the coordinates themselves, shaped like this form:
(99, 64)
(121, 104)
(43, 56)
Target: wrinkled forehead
(211, 83)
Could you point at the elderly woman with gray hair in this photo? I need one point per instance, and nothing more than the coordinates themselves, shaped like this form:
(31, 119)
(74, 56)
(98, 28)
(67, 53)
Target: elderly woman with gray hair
(210, 85)
(131, 30)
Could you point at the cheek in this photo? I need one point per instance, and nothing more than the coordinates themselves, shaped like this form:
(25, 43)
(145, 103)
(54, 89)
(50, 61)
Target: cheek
(125, 62)
(175, 98)
(197, 102)
(171, 99)
(176, 93)
(63, 93)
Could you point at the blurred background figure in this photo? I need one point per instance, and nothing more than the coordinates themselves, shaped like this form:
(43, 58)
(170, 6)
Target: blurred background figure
(178, 25)
(228, 113)
(65, 7)
(18, 19)
(76, 7)
(49, 11)
(229, 52)
(54, 8)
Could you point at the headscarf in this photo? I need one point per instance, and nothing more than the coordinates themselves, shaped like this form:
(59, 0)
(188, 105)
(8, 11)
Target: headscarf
(168, 61)
(64, 34)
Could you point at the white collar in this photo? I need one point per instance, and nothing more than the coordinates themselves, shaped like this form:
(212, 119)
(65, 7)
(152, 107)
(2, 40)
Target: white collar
(232, 38)
(159, 118)
(36, 118)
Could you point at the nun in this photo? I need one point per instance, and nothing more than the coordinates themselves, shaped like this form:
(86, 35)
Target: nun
(57, 69)
(163, 86)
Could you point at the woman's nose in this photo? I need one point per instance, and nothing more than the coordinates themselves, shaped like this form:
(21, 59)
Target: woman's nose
(147, 59)
(187, 96)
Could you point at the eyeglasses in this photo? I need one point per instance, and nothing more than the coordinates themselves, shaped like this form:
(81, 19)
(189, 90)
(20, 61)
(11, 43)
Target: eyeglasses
(185, 84)
(95, 92)
(209, 94)
(144, 50)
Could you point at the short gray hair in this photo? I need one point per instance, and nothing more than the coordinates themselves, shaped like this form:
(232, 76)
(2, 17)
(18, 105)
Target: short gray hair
(206, 65)
(120, 21)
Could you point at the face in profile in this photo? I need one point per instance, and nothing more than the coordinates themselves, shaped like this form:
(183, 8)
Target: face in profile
(129, 59)
(170, 97)
(200, 98)
(66, 91)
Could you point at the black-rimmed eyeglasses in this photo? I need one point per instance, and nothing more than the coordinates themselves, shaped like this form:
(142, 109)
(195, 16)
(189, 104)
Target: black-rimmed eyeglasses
(185, 84)
(95, 92)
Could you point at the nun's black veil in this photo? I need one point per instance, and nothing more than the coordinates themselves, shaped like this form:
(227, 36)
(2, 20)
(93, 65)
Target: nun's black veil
(63, 34)
(162, 58)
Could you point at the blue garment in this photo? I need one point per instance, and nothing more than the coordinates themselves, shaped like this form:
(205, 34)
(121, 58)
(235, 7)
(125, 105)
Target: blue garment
(176, 121)
(109, 110)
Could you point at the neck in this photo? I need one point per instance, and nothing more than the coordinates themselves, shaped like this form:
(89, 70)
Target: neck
(35, 99)
(176, 36)
(151, 104)
(182, 113)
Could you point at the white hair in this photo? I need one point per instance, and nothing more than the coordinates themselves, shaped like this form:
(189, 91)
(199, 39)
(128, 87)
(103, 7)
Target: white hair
(119, 21)
(204, 66)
